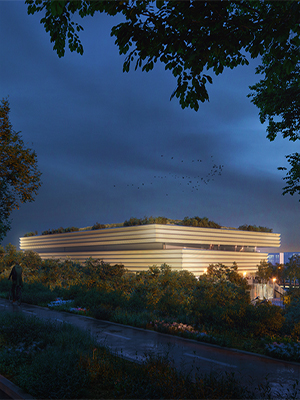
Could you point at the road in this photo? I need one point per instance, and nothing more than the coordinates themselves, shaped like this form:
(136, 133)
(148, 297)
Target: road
(189, 355)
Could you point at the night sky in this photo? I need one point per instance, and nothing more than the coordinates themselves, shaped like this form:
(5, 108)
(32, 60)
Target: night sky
(111, 145)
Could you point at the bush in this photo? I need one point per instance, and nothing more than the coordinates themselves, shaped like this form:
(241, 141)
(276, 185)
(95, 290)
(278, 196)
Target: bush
(37, 293)
(264, 319)
(145, 221)
(102, 311)
(292, 315)
(254, 228)
(221, 304)
(98, 226)
(138, 319)
(200, 222)
(162, 290)
(60, 230)
(29, 234)
(94, 298)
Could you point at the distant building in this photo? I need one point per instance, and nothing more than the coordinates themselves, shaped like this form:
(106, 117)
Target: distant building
(281, 258)
(138, 247)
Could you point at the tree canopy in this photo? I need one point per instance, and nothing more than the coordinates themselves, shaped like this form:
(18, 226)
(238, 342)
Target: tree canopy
(194, 38)
(19, 175)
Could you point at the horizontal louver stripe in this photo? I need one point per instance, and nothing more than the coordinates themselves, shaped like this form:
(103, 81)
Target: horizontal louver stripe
(184, 259)
(146, 234)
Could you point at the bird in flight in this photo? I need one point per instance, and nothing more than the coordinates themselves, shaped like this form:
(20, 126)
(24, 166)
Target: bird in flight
(193, 180)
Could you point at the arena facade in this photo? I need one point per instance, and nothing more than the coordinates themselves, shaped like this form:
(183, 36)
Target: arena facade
(138, 247)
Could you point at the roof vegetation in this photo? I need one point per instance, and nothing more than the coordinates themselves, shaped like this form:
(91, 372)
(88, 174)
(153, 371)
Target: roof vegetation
(186, 221)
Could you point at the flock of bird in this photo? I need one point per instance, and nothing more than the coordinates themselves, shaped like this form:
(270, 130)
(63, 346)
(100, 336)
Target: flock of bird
(191, 181)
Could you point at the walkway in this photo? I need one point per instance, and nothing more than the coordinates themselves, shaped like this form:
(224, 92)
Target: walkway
(189, 355)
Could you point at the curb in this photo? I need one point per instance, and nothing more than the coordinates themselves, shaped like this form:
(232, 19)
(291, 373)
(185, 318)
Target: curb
(12, 391)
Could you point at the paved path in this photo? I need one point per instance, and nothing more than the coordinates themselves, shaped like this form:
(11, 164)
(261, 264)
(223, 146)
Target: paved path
(189, 355)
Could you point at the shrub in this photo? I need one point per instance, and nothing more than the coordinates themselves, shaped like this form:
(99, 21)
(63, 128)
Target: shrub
(219, 304)
(132, 222)
(145, 221)
(163, 290)
(264, 319)
(98, 226)
(292, 314)
(60, 230)
(37, 293)
(200, 222)
(96, 270)
(31, 263)
(254, 228)
(289, 351)
(138, 319)
(29, 234)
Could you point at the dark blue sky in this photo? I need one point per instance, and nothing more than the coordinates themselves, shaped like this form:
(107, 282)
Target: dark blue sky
(100, 134)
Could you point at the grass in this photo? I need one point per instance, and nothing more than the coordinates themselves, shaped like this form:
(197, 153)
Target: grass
(42, 357)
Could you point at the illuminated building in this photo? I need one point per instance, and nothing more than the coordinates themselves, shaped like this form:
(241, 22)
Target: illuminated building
(138, 247)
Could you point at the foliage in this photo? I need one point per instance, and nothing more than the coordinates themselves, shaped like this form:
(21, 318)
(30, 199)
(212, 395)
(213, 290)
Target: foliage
(98, 226)
(254, 228)
(292, 313)
(188, 37)
(9, 257)
(5, 223)
(279, 272)
(219, 271)
(43, 357)
(162, 290)
(285, 351)
(155, 378)
(214, 308)
(187, 221)
(219, 303)
(19, 175)
(29, 234)
(144, 221)
(127, 317)
(264, 319)
(293, 176)
(97, 271)
(37, 293)
(196, 221)
(264, 271)
(192, 38)
(52, 360)
(60, 230)
(293, 268)
(200, 222)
